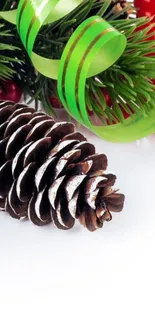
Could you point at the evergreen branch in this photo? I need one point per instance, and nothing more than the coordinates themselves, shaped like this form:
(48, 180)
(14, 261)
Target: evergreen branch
(6, 71)
(128, 81)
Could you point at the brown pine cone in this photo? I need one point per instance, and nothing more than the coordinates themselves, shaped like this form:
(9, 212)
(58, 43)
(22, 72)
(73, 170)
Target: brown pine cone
(49, 172)
(116, 6)
(119, 5)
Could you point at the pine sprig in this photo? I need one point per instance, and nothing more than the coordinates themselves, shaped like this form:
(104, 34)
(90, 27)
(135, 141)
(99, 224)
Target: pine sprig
(128, 82)
(6, 59)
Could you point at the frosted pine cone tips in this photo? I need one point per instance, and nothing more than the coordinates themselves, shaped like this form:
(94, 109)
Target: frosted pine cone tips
(49, 172)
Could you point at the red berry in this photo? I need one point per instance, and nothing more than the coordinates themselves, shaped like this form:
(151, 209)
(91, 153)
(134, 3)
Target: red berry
(55, 102)
(145, 8)
(90, 112)
(107, 97)
(125, 114)
(11, 91)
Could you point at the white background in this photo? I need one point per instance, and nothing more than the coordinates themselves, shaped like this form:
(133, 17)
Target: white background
(48, 276)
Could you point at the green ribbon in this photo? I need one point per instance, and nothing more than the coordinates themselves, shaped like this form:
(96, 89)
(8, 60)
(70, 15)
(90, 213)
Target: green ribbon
(93, 47)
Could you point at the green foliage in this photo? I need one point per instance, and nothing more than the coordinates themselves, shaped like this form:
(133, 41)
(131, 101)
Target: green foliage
(128, 81)
(6, 71)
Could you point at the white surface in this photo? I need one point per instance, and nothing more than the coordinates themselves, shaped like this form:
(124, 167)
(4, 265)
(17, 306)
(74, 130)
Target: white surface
(107, 277)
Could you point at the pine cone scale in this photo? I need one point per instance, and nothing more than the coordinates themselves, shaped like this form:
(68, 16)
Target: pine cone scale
(5, 112)
(53, 191)
(62, 148)
(16, 140)
(72, 205)
(16, 123)
(2, 129)
(37, 151)
(18, 207)
(42, 206)
(99, 162)
(38, 130)
(3, 144)
(25, 182)
(2, 204)
(20, 110)
(6, 178)
(32, 214)
(18, 161)
(61, 216)
(66, 160)
(79, 168)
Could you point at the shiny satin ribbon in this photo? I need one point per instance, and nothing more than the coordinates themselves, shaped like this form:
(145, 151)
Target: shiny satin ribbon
(93, 47)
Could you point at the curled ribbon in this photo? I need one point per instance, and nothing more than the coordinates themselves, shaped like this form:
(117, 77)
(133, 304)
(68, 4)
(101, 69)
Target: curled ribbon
(93, 47)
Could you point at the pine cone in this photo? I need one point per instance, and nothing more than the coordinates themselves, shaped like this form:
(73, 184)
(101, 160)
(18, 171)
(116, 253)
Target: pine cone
(119, 5)
(116, 6)
(49, 172)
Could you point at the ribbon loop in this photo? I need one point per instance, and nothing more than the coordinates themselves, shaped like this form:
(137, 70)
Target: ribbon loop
(94, 46)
